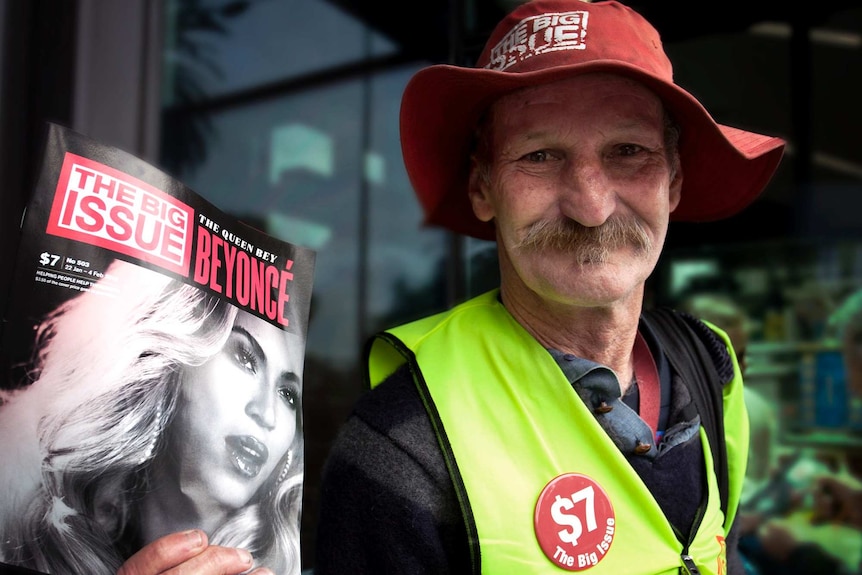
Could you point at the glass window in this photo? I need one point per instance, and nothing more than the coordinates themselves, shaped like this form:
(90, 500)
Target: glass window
(407, 264)
(218, 47)
(293, 167)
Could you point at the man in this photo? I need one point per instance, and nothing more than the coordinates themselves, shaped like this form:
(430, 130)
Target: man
(545, 426)
(550, 425)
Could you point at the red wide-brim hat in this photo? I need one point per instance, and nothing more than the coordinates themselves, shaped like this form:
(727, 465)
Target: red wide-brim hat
(724, 168)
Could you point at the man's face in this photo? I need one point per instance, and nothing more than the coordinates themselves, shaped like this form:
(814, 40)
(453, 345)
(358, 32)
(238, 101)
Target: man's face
(580, 188)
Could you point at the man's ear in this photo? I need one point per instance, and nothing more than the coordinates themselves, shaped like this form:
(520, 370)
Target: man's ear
(477, 190)
(675, 189)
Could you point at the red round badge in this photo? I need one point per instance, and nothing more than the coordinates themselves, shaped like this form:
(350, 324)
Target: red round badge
(574, 522)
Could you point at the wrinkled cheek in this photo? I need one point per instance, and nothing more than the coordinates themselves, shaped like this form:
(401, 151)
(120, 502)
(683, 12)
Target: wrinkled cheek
(508, 238)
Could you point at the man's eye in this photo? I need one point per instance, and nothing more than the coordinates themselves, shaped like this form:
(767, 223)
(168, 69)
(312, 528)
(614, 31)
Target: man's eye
(538, 156)
(628, 149)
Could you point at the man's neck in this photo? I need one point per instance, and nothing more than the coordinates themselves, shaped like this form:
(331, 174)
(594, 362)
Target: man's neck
(604, 334)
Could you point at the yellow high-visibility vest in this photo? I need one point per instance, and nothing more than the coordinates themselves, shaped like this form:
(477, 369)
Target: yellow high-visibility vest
(542, 487)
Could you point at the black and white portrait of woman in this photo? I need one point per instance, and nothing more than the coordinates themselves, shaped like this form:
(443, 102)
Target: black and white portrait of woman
(155, 410)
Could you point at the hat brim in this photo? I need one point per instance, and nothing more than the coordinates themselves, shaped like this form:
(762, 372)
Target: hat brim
(724, 168)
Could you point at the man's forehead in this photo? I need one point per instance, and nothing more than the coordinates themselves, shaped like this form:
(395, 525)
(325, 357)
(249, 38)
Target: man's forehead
(579, 88)
(596, 98)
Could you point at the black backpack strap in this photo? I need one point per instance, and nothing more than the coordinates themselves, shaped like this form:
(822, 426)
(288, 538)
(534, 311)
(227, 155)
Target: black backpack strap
(701, 359)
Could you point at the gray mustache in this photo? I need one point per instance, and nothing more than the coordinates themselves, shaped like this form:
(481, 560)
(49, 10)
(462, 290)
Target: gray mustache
(586, 244)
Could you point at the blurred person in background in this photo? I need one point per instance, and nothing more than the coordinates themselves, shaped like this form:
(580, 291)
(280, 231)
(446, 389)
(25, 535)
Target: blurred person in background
(724, 312)
(807, 518)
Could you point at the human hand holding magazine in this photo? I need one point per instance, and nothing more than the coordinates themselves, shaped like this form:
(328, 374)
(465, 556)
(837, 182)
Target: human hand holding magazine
(152, 361)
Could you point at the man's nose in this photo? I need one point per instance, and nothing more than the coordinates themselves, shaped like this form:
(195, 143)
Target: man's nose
(586, 194)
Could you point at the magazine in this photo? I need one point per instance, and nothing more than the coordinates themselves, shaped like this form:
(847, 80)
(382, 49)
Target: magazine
(152, 361)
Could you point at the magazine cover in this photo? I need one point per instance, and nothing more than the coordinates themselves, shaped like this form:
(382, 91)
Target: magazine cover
(152, 362)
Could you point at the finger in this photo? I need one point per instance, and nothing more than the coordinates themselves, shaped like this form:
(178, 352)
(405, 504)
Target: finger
(215, 560)
(165, 553)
